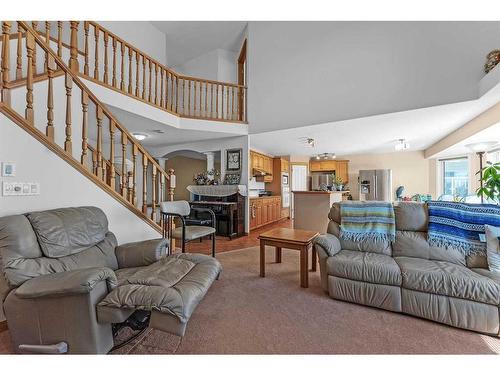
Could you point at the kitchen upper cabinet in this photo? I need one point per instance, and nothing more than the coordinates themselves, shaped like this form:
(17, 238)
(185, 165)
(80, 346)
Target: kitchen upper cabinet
(262, 162)
(315, 166)
(285, 165)
(342, 170)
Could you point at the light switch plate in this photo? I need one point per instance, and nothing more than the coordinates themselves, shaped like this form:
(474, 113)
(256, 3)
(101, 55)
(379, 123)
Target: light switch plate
(8, 169)
(20, 188)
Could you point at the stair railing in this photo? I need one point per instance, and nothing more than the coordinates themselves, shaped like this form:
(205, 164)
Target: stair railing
(102, 57)
(80, 128)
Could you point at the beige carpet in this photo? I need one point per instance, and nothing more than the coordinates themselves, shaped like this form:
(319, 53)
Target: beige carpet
(245, 314)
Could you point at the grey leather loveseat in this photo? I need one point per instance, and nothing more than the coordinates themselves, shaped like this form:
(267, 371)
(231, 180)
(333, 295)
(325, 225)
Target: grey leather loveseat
(64, 279)
(409, 276)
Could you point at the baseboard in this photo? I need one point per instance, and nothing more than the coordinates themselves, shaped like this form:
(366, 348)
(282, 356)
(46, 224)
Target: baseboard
(3, 326)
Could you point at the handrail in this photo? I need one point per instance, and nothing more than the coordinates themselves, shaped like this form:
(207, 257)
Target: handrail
(110, 61)
(153, 175)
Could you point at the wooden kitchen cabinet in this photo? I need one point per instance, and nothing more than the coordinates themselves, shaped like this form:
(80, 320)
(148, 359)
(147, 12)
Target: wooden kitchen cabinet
(264, 210)
(342, 170)
(285, 165)
(262, 162)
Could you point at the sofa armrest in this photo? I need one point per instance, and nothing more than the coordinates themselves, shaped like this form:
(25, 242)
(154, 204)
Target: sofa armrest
(142, 253)
(67, 283)
(329, 243)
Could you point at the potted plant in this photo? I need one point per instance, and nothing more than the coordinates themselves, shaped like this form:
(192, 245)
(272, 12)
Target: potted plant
(339, 182)
(490, 178)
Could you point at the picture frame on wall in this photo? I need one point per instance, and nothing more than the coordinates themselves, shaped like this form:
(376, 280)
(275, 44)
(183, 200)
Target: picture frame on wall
(8, 169)
(233, 160)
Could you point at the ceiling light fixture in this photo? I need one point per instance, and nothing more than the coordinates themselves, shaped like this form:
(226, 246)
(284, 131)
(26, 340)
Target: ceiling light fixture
(139, 136)
(481, 146)
(325, 156)
(402, 145)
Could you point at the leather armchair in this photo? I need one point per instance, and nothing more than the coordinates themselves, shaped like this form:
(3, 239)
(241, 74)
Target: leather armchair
(66, 285)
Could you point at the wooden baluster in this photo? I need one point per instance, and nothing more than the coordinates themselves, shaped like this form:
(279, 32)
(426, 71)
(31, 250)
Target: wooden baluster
(49, 131)
(206, 98)
(113, 79)
(177, 94)
(211, 100)
(106, 76)
(171, 184)
(100, 166)
(172, 77)
(194, 98)
(183, 96)
(232, 103)
(47, 40)
(143, 77)
(161, 194)
(112, 173)
(123, 182)
(189, 97)
(166, 89)
(201, 96)
(162, 99)
(144, 182)
(68, 84)
(73, 60)
(134, 174)
(6, 25)
(137, 61)
(96, 57)
(227, 102)
(217, 101)
(156, 84)
(85, 109)
(59, 38)
(94, 162)
(222, 101)
(34, 25)
(150, 81)
(30, 46)
(122, 66)
(86, 46)
(130, 193)
(153, 194)
(130, 70)
(19, 60)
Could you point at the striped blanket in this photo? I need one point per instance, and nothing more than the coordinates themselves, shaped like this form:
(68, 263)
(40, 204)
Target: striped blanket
(367, 220)
(458, 225)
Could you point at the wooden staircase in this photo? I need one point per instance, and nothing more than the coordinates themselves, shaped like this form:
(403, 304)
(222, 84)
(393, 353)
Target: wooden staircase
(46, 97)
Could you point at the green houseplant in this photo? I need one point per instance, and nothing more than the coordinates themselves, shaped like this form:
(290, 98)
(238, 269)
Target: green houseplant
(490, 178)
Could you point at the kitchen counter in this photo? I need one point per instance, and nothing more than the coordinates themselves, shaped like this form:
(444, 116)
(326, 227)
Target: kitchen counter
(311, 208)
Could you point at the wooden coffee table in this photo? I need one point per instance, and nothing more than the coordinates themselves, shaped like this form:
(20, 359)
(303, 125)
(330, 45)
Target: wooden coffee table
(297, 239)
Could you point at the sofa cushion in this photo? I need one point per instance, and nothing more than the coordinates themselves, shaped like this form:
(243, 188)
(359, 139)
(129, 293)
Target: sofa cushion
(447, 279)
(414, 244)
(367, 245)
(411, 216)
(493, 247)
(363, 266)
(67, 231)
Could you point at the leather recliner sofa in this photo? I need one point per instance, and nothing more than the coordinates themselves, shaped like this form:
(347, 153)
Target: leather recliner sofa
(64, 279)
(409, 276)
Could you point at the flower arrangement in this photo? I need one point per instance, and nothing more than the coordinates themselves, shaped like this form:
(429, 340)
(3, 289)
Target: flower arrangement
(211, 177)
(492, 59)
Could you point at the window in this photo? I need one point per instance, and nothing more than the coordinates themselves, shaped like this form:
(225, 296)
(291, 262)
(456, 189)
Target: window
(456, 177)
(493, 156)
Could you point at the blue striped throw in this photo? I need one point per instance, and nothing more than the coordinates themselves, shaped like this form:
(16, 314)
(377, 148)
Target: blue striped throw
(367, 220)
(458, 225)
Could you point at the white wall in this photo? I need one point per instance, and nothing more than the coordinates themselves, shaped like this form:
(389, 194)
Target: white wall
(303, 73)
(60, 184)
(142, 35)
(216, 65)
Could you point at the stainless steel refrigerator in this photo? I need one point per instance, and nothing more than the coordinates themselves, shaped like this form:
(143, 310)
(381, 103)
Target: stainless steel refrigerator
(375, 185)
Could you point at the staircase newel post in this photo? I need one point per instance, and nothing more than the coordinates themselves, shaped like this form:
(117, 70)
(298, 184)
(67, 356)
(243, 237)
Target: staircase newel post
(73, 60)
(171, 184)
(6, 25)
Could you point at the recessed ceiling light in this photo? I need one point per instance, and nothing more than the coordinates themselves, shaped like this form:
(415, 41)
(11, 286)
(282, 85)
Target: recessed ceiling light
(139, 136)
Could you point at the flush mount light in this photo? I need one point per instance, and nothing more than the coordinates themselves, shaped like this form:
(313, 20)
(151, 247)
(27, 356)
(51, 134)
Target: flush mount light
(325, 156)
(140, 136)
(402, 145)
(481, 146)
